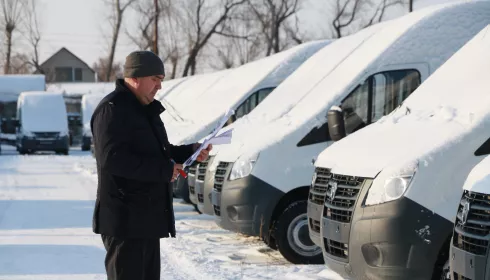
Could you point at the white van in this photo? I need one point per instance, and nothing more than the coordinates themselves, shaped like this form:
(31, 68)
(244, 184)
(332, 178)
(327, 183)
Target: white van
(89, 103)
(394, 186)
(263, 178)
(242, 90)
(469, 257)
(42, 123)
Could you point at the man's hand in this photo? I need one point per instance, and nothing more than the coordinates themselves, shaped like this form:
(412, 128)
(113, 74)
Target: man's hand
(204, 154)
(177, 167)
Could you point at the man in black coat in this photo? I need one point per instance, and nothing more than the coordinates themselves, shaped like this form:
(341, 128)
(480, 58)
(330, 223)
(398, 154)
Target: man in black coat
(135, 165)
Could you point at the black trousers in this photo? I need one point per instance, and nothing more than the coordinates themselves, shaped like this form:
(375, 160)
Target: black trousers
(132, 259)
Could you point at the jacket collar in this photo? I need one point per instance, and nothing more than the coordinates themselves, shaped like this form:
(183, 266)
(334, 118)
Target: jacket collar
(154, 108)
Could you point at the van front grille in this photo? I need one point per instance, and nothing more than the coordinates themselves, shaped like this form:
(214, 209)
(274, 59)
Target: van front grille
(315, 225)
(47, 135)
(319, 185)
(201, 170)
(341, 196)
(219, 180)
(460, 277)
(337, 249)
(472, 227)
(192, 170)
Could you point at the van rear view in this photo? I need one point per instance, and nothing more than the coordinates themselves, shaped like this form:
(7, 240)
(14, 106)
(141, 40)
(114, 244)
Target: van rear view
(43, 123)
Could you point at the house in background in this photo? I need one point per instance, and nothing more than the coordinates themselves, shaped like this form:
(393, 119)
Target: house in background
(64, 66)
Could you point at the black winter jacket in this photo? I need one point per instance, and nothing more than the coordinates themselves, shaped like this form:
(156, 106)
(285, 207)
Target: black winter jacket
(134, 167)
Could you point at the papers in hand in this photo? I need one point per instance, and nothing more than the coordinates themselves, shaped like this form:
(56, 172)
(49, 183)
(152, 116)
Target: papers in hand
(213, 138)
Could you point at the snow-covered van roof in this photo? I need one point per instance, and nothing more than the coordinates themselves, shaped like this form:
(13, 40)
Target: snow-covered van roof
(42, 111)
(168, 86)
(479, 178)
(451, 103)
(242, 81)
(428, 36)
(81, 88)
(12, 85)
(187, 94)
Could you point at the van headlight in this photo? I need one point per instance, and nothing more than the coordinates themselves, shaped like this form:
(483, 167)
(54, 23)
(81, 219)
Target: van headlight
(391, 184)
(243, 167)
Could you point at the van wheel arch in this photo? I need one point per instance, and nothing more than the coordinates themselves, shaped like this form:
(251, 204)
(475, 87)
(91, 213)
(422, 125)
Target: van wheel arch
(292, 196)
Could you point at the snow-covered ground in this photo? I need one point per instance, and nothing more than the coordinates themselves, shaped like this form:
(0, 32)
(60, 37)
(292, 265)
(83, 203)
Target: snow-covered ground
(46, 205)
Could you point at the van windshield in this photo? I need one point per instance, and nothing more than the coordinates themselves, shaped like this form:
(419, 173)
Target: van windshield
(43, 113)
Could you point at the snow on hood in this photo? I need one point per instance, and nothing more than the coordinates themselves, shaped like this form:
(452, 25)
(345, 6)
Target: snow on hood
(479, 178)
(43, 112)
(89, 103)
(12, 85)
(237, 86)
(447, 106)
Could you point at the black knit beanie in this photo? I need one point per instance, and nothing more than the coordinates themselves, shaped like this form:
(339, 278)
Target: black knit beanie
(143, 64)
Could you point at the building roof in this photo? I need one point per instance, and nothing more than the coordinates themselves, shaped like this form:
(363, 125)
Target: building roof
(65, 49)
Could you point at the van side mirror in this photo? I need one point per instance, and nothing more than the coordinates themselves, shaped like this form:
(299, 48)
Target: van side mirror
(336, 124)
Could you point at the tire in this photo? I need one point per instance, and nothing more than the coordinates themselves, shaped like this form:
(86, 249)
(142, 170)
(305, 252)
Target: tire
(184, 191)
(292, 236)
(85, 148)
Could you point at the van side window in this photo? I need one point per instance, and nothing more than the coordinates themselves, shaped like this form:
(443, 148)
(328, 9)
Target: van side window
(484, 149)
(251, 102)
(377, 96)
(355, 108)
(390, 89)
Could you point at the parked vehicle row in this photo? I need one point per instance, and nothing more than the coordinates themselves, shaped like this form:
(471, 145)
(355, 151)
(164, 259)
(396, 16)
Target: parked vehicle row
(358, 158)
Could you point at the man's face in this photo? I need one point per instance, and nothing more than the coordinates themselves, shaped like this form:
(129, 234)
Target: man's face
(147, 87)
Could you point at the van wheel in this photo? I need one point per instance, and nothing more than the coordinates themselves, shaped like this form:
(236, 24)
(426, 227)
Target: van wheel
(293, 237)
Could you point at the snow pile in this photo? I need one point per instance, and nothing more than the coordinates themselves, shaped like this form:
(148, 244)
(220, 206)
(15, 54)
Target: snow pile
(12, 85)
(43, 112)
(479, 178)
(238, 85)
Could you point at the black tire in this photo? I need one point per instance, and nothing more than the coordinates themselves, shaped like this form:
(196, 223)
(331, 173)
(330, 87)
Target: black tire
(293, 238)
(184, 191)
(85, 148)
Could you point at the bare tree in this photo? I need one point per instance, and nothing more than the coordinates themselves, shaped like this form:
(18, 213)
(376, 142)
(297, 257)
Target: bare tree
(33, 34)
(100, 68)
(155, 26)
(144, 40)
(351, 14)
(11, 18)
(272, 15)
(202, 31)
(19, 64)
(119, 7)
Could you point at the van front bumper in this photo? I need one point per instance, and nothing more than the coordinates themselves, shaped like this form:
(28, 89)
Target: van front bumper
(33, 144)
(245, 205)
(468, 265)
(314, 212)
(395, 240)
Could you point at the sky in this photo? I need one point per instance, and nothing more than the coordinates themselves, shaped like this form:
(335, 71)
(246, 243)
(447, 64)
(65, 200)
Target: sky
(81, 26)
